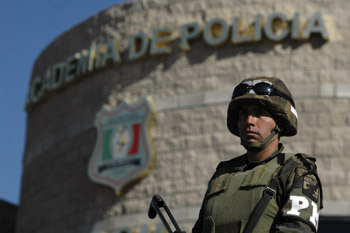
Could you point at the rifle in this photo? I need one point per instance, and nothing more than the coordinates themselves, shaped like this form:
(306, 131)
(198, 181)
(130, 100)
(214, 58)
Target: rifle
(154, 208)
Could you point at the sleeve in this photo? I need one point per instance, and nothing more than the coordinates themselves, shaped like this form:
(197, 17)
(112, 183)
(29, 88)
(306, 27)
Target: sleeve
(198, 226)
(302, 202)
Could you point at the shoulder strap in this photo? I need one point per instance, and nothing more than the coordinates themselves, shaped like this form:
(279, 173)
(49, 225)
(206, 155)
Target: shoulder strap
(268, 194)
(261, 206)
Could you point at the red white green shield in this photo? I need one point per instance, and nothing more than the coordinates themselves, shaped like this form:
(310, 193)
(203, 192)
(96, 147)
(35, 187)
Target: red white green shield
(123, 151)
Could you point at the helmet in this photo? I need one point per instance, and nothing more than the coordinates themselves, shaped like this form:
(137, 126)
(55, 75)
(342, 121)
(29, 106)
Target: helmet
(271, 94)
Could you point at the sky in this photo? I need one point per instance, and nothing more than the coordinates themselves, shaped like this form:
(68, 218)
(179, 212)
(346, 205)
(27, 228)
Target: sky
(27, 27)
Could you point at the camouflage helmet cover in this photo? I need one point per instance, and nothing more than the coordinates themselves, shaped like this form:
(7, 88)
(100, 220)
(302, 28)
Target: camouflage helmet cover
(281, 109)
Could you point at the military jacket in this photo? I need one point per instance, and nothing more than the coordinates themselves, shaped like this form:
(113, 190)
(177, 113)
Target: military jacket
(237, 186)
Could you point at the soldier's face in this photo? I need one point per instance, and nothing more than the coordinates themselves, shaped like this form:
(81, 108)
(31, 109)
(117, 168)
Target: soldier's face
(255, 124)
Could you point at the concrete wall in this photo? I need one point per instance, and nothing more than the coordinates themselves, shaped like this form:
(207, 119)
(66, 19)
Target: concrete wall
(191, 91)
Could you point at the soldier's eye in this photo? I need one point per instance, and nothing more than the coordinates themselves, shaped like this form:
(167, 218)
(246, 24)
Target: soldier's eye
(243, 112)
(261, 112)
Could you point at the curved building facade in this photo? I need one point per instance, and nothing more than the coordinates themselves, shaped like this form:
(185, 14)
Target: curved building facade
(132, 102)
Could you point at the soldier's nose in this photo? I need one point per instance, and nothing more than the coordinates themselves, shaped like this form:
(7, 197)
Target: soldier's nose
(250, 119)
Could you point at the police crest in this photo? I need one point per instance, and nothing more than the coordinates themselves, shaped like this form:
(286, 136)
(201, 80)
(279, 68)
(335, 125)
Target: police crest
(123, 150)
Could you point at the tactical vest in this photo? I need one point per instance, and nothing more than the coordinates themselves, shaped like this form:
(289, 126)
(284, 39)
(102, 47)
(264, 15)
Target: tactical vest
(233, 194)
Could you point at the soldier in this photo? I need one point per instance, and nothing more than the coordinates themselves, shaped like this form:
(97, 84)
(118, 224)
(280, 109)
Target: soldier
(264, 190)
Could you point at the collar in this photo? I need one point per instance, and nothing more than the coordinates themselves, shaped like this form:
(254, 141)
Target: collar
(254, 164)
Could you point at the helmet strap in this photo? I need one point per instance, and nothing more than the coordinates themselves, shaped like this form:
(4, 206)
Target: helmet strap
(258, 146)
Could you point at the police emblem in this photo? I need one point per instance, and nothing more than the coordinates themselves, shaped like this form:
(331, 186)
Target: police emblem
(123, 150)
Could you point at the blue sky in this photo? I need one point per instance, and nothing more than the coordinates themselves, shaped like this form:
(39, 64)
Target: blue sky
(26, 28)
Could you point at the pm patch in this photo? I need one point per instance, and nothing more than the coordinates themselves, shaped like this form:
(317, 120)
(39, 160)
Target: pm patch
(311, 188)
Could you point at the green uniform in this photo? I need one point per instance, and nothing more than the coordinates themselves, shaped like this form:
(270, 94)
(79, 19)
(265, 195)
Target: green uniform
(237, 186)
